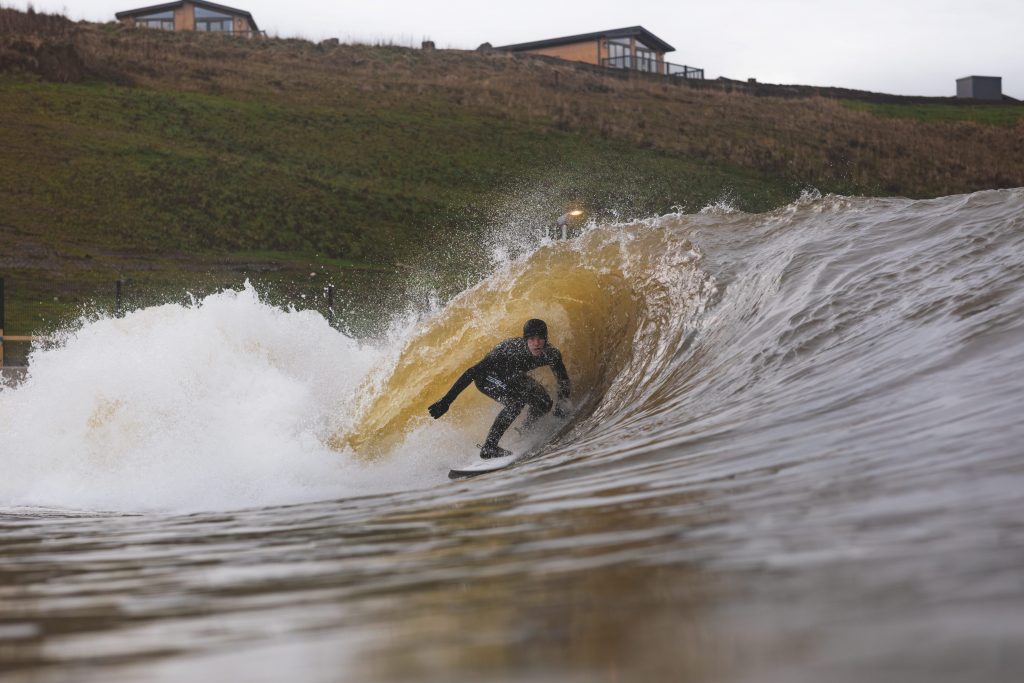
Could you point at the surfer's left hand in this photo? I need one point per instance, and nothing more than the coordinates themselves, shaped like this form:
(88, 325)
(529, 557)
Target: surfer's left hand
(438, 409)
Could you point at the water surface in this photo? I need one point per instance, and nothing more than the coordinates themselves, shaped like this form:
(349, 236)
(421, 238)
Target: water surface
(796, 456)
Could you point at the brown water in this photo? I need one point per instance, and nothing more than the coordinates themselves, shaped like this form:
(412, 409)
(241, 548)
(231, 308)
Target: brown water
(797, 456)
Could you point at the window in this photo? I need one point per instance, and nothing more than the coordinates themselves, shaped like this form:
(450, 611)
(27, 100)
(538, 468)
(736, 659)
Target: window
(159, 20)
(646, 60)
(208, 20)
(619, 54)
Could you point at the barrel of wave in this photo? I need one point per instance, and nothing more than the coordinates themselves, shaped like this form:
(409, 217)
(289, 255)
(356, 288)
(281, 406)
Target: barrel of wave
(581, 289)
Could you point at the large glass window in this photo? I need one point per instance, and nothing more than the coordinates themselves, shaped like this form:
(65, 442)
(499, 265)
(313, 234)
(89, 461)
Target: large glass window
(620, 54)
(209, 20)
(158, 20)
(646, 60)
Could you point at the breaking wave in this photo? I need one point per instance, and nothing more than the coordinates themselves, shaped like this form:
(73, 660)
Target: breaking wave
(880, 336)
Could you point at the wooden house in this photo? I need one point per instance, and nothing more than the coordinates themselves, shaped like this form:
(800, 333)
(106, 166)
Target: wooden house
(633, 48)
(191, 15)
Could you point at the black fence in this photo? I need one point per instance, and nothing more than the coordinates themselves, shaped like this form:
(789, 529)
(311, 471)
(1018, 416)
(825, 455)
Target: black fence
(651, 65)
(169, 26)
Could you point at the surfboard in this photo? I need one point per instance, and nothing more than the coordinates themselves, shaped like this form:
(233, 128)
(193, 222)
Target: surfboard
(480, 466)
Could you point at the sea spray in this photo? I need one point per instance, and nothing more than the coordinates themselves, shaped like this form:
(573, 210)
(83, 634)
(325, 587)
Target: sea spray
(223, 403)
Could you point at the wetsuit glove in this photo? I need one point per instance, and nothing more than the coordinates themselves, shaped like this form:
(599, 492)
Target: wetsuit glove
(438, 409)
(560, 411)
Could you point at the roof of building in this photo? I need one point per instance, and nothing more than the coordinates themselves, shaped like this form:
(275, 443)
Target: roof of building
(640, 32)
(198, 3)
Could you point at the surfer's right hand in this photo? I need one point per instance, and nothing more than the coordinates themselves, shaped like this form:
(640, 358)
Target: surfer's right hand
(438, 409)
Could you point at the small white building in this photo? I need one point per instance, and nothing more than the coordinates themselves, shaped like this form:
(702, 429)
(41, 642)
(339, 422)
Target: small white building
(980, 88)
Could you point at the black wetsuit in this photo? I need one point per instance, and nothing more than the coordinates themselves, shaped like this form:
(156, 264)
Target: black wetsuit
(502, 376)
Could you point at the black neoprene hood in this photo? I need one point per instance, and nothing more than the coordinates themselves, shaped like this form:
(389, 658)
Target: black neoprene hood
(535, 327)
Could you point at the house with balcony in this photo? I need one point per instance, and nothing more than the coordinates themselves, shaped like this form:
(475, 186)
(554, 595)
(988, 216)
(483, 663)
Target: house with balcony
(192, 15)
(633, 48)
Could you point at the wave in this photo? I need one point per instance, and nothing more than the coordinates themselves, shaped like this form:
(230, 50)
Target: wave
(617, 300)
(834, 333)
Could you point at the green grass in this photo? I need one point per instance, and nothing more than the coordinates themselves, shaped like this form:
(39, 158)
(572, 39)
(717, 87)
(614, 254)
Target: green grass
(181, 192)
(146, 169)
(991, 114)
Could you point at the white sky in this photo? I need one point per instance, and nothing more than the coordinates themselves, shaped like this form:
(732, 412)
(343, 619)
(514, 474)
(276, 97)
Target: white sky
(906, 47)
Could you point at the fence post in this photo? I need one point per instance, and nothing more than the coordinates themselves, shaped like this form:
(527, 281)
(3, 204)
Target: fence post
(2, 314)
(330, 305)
(117, 299)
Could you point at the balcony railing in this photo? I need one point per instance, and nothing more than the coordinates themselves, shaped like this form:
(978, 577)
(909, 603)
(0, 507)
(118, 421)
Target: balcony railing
(653, 66)
(169, 26)
(231, 32)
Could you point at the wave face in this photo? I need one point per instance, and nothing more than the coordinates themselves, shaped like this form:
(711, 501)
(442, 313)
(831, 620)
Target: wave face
(858, 335)
(795, 455)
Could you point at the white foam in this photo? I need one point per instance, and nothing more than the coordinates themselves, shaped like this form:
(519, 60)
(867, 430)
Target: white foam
(223, 404)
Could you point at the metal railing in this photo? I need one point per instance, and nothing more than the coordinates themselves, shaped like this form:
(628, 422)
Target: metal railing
(653, 66)
(171, 29)
(11, 338)
(247, 34)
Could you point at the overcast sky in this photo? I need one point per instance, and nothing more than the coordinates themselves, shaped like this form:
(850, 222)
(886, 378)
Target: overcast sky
(906, 47)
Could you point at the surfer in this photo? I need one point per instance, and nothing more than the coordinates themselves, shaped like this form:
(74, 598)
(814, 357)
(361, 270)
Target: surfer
(501, 375)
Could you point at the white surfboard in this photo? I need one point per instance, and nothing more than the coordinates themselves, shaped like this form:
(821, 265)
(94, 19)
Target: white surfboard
(480, 466)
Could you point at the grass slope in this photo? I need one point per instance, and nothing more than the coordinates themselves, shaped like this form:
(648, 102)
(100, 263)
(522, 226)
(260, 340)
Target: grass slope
(196, 160)
(1008, 115)
(160, 170)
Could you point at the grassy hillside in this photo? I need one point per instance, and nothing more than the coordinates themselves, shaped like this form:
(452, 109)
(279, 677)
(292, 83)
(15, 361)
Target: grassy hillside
(180, 158)
(184, 170)
(1008, 115)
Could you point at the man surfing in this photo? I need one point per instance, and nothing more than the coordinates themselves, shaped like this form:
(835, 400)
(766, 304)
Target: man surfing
(501, 375)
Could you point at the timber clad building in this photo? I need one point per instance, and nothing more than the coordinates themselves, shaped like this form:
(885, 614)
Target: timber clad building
(633, 48)
(192, 15)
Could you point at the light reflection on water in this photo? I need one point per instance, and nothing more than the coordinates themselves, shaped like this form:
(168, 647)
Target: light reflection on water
(474, 586)
(630, 583)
